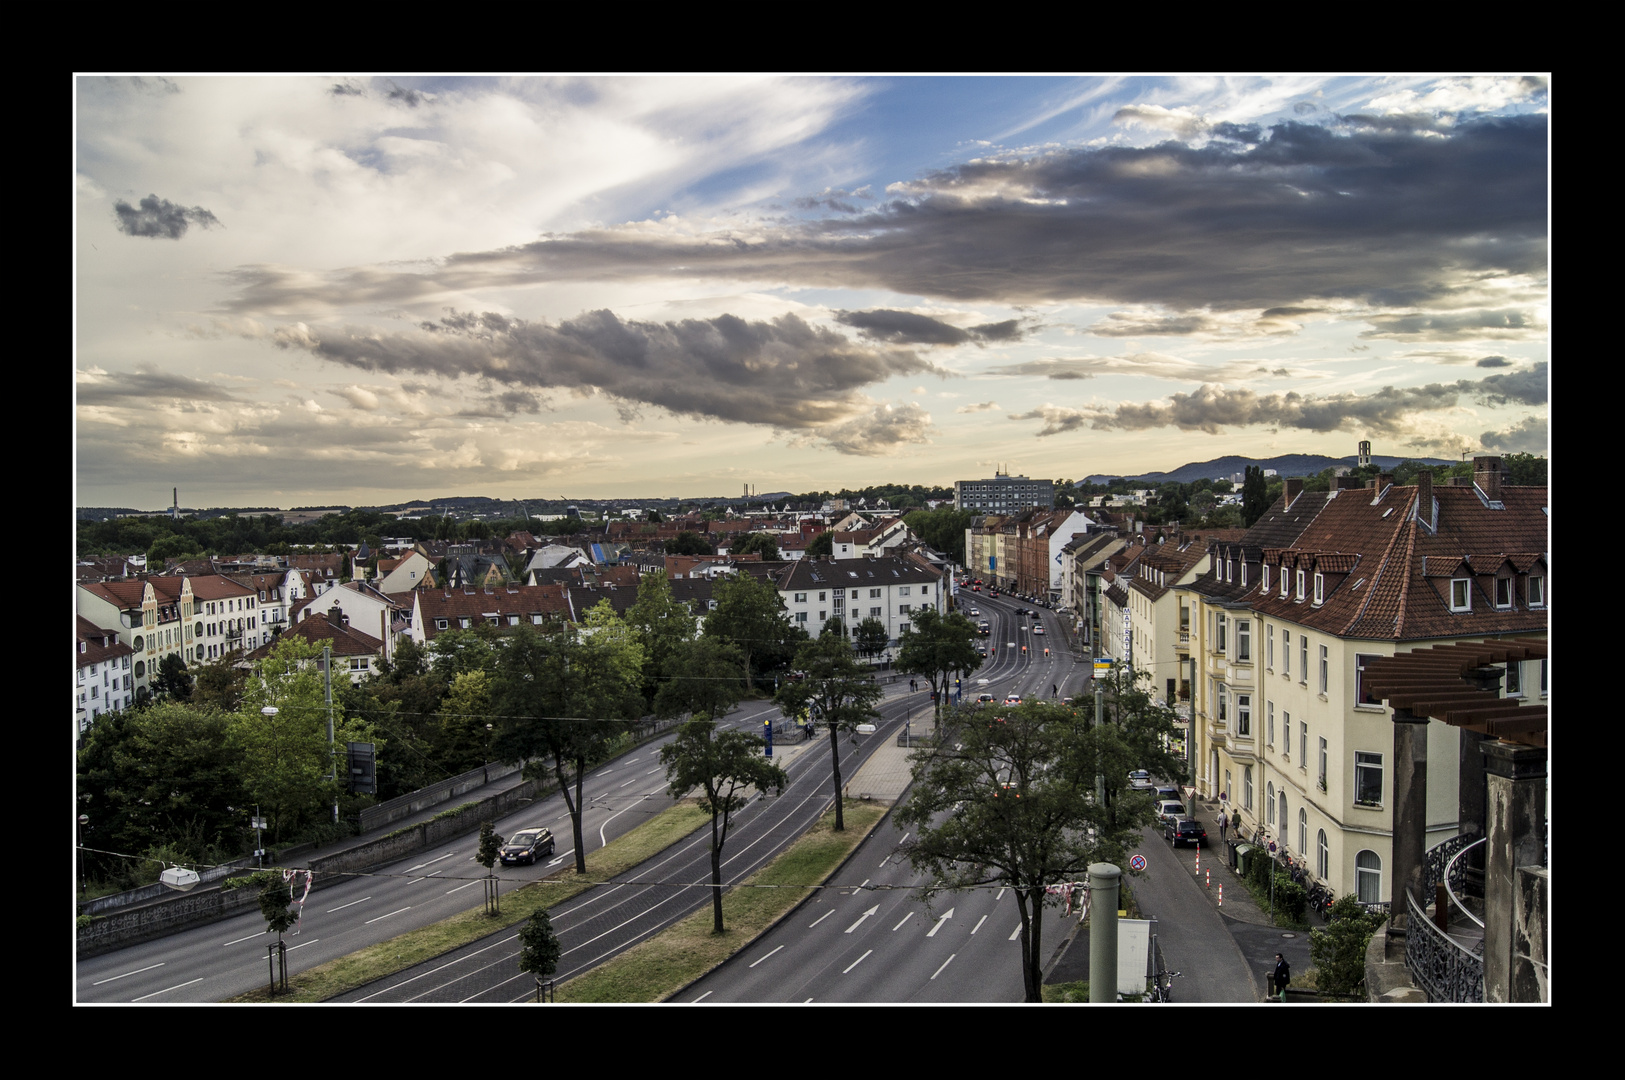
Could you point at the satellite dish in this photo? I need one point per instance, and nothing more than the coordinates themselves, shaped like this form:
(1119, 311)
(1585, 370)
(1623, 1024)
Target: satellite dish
(179, 878)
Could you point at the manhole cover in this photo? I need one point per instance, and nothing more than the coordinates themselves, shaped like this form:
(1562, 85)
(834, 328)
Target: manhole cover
(1289, 935)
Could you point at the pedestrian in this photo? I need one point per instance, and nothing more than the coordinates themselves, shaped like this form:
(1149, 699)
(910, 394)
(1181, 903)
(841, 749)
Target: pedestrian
(1054, 691)
(1224, 823)
(1283, 975)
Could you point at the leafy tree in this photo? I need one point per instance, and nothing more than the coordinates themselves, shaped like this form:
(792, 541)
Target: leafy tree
(173, 680)
(463, 739)
(822, 544)
(722, 766)
(456, 651)
(559, 693)
(539, 949)
(837, 692)
(751, 617)
(490, 848)
(663, 625)
(872, 637)
(939, 647)
(276, 904)
(702, 678)
(1525, 470)
(1004, 801)
(757, 544)
(219, 685)
(1338, 951)
(942, 528)
(1254, 493)
(1136, 733)
(689, 543)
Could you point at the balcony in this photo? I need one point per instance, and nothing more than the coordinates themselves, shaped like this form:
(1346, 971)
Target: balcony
(1447, 964)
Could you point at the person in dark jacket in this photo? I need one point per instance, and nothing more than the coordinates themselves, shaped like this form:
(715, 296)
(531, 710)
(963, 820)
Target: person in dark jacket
(1283, 975)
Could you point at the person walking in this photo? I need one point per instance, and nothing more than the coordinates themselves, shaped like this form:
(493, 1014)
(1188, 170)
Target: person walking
(1283, 975)
(1224, 821)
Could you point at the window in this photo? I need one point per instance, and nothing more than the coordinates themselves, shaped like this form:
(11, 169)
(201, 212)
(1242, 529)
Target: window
(1300, 585)
(1244, 714)
(1461, 594)
(801, 598)
(1303, 657)
(1284, 820)
(1265, 585)
(1363, 696)
(902, 590)
(823, 617)
(1269, 804)
(1367, 778)
(801, 617)
(1286, 653)
(1269, 648)
(1320, 588)
(1323, 855)
(1220, 634)
(466, 623)
(1224, 702)
(1303, 745)
(1325, 670)
(873, 594)
(1243, 573)
(874, 613)
(1247, 787)
(1514, 679)
(1269, 722)
(854, 593)
(1503, 592)
(902, 609)
(1368, 877)
(902, 628)
(1542, 676)
(441, 624)
(1537, 591)
(1244, 639)
(1321, 773)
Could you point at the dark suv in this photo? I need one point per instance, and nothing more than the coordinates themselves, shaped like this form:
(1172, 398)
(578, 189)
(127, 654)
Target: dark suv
(527, 846)
(1185, 831)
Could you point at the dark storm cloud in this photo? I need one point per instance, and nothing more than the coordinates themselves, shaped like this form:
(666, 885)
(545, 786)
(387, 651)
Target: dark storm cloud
(1307, 215)
(410, 98)
(907, 328)
(346, 90)
(1527, 436)
(1455, 326)
(782, 373)
(1493, 361)
(1213, 408)
(133, 387)
(160, 217)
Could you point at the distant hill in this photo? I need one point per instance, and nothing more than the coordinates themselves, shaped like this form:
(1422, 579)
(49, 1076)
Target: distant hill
(1286, 465)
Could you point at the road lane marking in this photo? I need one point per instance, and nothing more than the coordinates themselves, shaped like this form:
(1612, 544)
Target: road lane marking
(137, 971)
(769, 954)
(821, 918)
(302, 944)
(856, 962)
(865, 915)
(166, 990)
(1014, 933)
(237, 941)
(978, 925)
(460, 888)
(946, 915)
(899, 926)
(945, 963)
(341, 907)
(702, 997)
(628, 783)
(431, 862)
(998, 895)
(381, 918)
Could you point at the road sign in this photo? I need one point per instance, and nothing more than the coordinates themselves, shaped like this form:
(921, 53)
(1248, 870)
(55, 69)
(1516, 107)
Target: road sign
(1137, 862)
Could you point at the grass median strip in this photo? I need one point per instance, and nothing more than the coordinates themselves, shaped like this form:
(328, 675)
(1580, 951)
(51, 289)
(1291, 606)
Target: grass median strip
(347, 973)
(659, 967)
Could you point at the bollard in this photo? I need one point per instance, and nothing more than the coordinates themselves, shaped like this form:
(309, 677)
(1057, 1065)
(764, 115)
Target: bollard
(1221, 894)
(1209, 876)
(1198, 858)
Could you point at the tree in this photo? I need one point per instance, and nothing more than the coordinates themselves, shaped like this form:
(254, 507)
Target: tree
(757, 544)
(663, 625)
(1137, 732)
(539, 949)
(1002, 801)
(822, 544)
(872, 637)
(173, 680)
(219, 684)
(490, 848)
(750, 616)
(701, 678)
(1253, 496)
(1339, 950)
(837, 692)
(723, 766)
(559, 693)
(689, 543)
(938, 647)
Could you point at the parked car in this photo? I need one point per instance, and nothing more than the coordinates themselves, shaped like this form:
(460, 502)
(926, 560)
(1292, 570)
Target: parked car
(1170, 810)
(1184, 831)
(1140, 780)
(1168, 792)
(527, 845)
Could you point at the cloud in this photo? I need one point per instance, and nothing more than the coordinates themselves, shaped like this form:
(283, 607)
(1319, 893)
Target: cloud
(781, 373)
(1154, 365)
(881, 432)
(1457, 326)
(1531, 435)
(1309, 215)
(96, 387)
(1390, 411)
(985, 406)
(1493, 361)
(161, 218)
(909, 328)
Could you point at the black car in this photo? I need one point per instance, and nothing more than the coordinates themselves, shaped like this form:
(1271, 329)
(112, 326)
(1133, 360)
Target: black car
(527, 846)
(1185, 831)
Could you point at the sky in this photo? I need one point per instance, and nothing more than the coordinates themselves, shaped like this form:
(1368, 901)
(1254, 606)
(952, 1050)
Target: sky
(302, 291)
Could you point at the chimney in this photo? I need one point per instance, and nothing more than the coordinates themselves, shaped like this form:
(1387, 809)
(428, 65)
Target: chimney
(1347, 482)
(335, 615)
(1424, 497)
(1294, 486)
(1487, 475)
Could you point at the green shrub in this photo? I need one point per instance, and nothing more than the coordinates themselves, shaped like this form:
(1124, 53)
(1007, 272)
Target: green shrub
(1339, 950)
(1290, 899)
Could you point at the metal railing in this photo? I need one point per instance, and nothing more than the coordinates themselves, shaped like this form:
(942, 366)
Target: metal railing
(1443, 968)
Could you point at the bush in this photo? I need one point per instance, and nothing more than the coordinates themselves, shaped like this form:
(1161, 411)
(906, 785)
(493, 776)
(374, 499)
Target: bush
(1339, 950)
(1290, 899)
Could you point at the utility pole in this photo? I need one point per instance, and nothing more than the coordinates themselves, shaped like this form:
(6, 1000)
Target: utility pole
(327, 672)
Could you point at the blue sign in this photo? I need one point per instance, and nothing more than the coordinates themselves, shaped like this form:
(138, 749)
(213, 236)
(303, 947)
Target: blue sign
(768, 724)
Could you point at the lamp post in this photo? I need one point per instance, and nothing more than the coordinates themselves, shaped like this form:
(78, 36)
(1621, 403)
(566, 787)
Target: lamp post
(84, 819)
(487, 766)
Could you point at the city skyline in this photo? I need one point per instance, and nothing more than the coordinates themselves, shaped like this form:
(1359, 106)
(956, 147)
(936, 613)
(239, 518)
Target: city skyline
(294, 291)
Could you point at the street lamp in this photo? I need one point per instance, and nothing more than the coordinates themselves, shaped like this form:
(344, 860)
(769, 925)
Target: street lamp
(84, 819)
(487, 765)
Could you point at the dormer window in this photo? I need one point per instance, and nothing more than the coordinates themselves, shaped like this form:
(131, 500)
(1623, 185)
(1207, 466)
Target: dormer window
(1244, 574)
(1503, 592)
(1265, 587)
(1301, 576)
(1229, 570)
(1320, 588)
(1284, 580)
(1461, 594)
(1537, 591)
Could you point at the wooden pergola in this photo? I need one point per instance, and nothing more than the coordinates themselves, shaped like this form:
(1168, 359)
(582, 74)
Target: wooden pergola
(1443, 683)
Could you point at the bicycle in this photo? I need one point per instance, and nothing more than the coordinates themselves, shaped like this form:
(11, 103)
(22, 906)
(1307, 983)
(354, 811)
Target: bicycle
(1162, 986)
